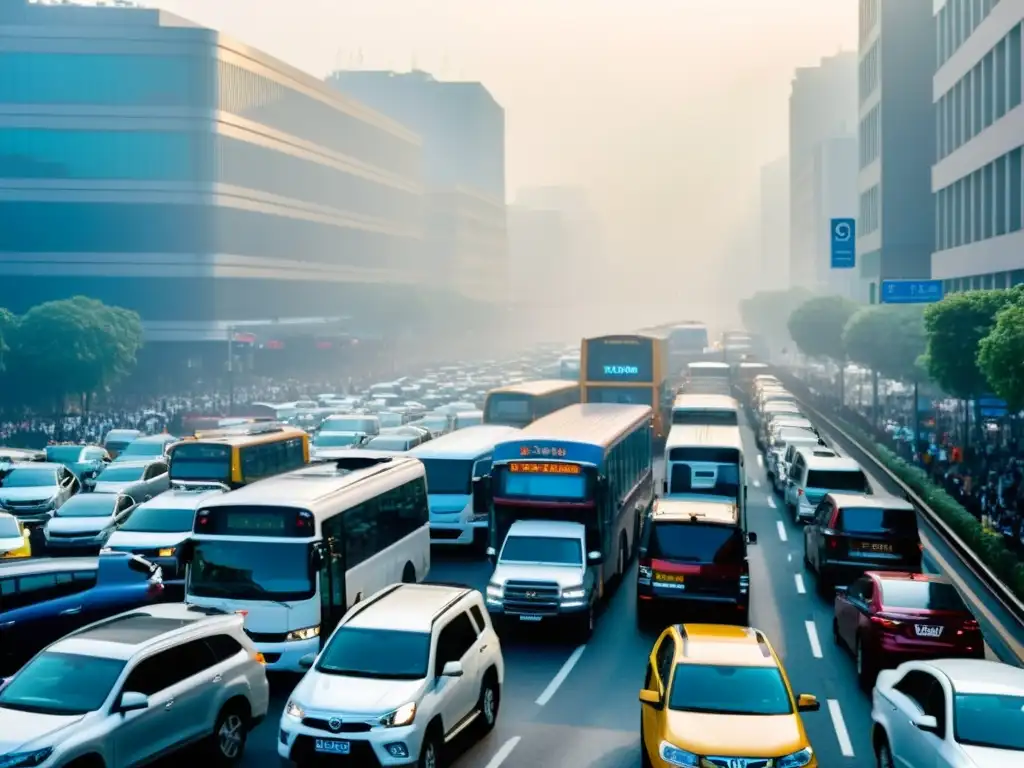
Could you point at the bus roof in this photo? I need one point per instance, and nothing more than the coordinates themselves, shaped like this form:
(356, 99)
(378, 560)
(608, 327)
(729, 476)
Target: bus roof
(702, 402)
(709, 365)
(587, 426)
(704, 436)
(233, 436)
(539, 387)
(466, 443)
(305, 488)
(656, 334)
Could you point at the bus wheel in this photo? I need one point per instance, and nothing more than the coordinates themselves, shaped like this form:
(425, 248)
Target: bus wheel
(409, 574)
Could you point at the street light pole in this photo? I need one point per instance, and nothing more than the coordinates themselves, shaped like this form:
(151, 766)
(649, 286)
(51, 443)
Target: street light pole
(231, 370)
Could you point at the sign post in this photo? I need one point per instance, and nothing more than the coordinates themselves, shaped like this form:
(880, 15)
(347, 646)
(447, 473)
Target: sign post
(843, 237)
(911, 291)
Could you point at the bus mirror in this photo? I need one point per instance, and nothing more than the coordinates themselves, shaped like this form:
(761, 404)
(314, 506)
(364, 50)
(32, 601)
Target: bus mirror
(316, 558)
(187, 550)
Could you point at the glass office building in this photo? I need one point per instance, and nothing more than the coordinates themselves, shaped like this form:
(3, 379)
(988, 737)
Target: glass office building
(158, 165)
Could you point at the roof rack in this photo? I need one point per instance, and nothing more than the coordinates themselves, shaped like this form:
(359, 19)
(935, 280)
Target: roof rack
(242, 430)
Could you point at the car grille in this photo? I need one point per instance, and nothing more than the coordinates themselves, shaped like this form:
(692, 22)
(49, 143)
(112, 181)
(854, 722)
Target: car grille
(740, 762)
(78, 535)
(536, 597)
(347, 726)
(267, 637)
(362, 755)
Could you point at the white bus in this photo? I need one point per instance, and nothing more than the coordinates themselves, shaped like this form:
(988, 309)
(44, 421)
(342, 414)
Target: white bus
(454, 462)
(708, 377)
(294, 552)
(710, 410)
(706, 462)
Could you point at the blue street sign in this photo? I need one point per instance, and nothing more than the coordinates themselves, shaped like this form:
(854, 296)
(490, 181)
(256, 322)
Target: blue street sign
(843, 234)
(911, 291)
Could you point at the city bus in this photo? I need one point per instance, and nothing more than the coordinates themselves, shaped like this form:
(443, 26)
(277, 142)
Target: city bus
(294, 552)
(518, 405)
(706, 462)
(708, 377)
(454, 462)
(589, 464)
(628, 369)
(695, 410)
(687, 342)
(240, 455)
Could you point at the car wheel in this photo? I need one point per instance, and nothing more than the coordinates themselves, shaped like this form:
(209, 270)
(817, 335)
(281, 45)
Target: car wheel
(884, 755)
(835, 633)
(645, 758)
(430, 750)
(866, 673)
(230, 734)
(586, 626)
(490, 702)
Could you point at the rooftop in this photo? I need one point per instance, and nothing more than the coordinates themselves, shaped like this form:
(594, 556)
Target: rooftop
(409, 608)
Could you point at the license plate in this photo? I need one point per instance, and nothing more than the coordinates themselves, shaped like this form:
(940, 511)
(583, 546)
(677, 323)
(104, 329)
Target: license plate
(880, 547)
(332, 746)
(669, 578)
(923, 630)
(529, 617)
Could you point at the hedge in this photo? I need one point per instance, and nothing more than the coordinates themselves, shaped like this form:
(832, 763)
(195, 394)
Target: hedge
(989, 548)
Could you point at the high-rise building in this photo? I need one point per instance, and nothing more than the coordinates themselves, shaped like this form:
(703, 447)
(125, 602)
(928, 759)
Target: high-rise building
(463, 130)
(539, 273)
(835, 196)
(161, 166)
(977, 179)
(895, 223)
(822, 106)
(774, 225)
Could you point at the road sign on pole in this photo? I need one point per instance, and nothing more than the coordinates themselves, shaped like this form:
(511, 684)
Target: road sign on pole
(843, 235)
(911, 291)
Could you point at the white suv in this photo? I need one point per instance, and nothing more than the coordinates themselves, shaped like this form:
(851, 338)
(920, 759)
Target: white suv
(133, 688)
(404, 673)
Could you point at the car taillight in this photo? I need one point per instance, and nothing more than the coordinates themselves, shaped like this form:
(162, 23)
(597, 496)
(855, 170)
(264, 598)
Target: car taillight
(970, 625)
(831, 540)
(885, 622)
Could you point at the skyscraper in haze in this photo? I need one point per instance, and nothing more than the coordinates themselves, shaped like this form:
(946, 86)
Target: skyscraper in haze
(822, 107)
(774, 225)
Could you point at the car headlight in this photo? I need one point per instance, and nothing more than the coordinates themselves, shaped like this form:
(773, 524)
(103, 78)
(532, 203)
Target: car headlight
(404, 715)
(673, 755)
(574, 593)
(166, 552)
(25, 759)
(797, 759)
(294, 711)
(306, 633)
(497, 591)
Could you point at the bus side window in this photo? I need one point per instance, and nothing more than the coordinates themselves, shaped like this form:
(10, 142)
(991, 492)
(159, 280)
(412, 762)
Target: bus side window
(361, 533)
(252, 462)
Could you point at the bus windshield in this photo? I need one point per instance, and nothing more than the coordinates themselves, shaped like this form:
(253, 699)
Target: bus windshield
(251, 570)
(714, 418)
(449, 476)
(509, 409)
(622, 395)
(201, 461)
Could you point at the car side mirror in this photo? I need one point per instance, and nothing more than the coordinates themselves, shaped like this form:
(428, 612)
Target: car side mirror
(807, 703)
(306, 662)
(452, 669)
(650, 697)
(751, 538)
(492, 555)
(595, 557)
(926, 723)
(132, 701)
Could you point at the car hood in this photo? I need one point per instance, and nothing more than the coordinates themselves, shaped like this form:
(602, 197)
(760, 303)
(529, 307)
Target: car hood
(263, 618)
(23, 731)
(10, 544)
(35, 493)
(111, 486)
(563, 575)
(987, 757)
(78, 524)
(736, 735)
(356, 695)
(146, 539)
(447, 503)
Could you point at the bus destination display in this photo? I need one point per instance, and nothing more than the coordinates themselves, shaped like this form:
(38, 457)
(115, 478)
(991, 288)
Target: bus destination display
(544, 468)
(254, 521)
(620, 359)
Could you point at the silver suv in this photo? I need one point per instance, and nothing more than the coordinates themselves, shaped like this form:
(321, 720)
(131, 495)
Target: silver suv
(405, 672)
(130, 689)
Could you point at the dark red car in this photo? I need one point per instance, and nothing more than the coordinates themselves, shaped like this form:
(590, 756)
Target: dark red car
(888, 617)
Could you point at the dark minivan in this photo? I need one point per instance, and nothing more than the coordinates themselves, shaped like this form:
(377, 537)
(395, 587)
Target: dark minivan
(851, 534)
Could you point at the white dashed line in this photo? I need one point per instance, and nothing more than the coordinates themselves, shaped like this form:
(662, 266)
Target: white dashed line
(757, 483)
(789, 558)
(760, 461)
(842, 735)
(502, 754)
(771, 502)
(563, 673)
(812, 636)
(799, 579)
(782, 530)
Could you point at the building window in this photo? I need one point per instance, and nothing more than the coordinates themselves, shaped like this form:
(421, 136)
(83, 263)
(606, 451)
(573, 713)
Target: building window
(102, 79)
(1015, 180)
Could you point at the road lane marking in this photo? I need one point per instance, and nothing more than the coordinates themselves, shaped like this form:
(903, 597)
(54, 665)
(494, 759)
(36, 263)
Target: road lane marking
(812, 635)
(757, 483)
(842, 735)
(771, 502)
(563, 673)
(799, 579)
(760, 461)
(502, 754)
(782, 530)
(789, 558)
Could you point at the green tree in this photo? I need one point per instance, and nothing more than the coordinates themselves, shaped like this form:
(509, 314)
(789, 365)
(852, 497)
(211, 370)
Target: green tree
(767, 312)
(1001, 356)
(7, 322)
(817, 326)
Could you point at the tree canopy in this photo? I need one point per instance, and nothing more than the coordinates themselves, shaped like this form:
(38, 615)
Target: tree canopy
(956, 327)
(767, 312)
(1001, 356)
(817, 326)
(888, 339)
(7, 321)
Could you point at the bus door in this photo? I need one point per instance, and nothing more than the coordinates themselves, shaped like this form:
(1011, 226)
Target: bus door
(332, 588)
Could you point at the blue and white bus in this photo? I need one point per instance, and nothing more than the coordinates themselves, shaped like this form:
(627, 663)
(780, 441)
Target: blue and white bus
(590, 463)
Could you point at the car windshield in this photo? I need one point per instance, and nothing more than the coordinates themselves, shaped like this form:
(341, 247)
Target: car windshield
(28, 478)
(115, 474)
(251, 570)
(381, 653)
(722, 690)
(62, 453)
(88, 505)
(449, 476)
(898, 522)
(989, 720)
(921, 596)
(838, 480)
(542, 549)
(158, 520)
(695, 543)
(335, 440)
(9, 528)
(143, 449)
(41, 687)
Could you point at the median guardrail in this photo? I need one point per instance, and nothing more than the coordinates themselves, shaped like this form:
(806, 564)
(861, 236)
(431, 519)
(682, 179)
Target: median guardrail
(1005, 597)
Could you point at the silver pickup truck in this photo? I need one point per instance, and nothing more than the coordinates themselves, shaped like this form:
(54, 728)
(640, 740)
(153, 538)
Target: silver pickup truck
(543, 574)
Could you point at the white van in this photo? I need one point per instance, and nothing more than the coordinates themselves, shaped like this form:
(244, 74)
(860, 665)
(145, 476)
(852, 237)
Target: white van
(706, 462)
(453, 462)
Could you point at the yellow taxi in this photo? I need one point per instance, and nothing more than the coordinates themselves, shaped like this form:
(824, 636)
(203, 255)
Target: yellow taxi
(14, 538)
(716, 696)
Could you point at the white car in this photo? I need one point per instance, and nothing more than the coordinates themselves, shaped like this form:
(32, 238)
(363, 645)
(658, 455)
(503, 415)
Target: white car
(406, 671)
(949, 713)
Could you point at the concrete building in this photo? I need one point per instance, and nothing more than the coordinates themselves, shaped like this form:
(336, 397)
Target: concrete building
(161, 166)
(774, 225)
(822, 106)
(895, 221)
(977, 179)
(463, 130)
(835, 196)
